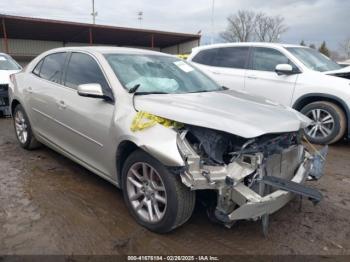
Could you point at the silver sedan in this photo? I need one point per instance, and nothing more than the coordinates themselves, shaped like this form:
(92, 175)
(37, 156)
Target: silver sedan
(160, 129)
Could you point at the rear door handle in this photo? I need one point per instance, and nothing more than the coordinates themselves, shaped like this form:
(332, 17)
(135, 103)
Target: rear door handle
(61, 104)
(30, 90)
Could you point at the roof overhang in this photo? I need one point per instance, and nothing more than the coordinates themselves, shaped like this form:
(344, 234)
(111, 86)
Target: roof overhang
(18, 27)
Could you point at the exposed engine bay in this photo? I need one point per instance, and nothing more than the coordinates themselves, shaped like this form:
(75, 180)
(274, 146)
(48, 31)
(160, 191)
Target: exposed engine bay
(253, 177)
(217, 147)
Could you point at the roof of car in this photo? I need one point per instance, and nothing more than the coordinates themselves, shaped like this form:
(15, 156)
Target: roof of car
(262, 44)
(108, 50)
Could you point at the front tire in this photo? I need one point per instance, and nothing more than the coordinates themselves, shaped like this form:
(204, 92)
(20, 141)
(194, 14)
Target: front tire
(23, 129)
(329, 122)
(156, 198)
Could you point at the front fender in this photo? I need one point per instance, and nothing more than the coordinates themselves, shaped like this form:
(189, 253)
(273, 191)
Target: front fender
(158, 141)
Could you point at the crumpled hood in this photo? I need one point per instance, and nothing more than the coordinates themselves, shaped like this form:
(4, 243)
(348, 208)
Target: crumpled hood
(230, 111)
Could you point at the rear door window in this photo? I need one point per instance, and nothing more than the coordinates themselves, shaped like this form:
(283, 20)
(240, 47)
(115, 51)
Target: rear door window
(52, 67)
(36, 70)
(233, 57)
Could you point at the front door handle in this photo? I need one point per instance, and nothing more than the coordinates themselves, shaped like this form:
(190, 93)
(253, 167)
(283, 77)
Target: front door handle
(61, 104)
(252, 77)
(30, 90)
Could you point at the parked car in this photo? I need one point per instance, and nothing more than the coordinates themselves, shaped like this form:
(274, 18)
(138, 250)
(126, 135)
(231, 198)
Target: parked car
(295, 76)
(160, 129)
(8, 66)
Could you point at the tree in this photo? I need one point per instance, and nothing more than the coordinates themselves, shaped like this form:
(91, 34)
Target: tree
(247, 26)
(302, 43)
(240, 27)
(324, 49)
(269, 29)
(312, 46)
(345, 47)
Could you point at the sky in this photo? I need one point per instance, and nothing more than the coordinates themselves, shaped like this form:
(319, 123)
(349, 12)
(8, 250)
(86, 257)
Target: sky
(310, 20)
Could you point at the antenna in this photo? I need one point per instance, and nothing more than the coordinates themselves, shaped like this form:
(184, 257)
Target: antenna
(94, 13)
(140, 17)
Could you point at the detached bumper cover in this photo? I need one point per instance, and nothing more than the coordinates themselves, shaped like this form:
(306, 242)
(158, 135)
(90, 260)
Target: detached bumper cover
(254, 205)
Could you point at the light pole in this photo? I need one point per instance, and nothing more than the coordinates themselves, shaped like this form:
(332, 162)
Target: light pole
(94, 14)
(139, 17)
(212, 21)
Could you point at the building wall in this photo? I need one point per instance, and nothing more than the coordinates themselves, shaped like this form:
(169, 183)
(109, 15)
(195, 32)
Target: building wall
(25, 50)
(30, 47)
(184, 48)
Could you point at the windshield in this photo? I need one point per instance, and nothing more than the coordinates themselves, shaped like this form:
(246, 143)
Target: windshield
(314, 59)
(7, 63)
(159, 74)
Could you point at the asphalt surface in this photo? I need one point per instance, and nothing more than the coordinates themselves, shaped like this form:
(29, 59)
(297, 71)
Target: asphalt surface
(50, 205)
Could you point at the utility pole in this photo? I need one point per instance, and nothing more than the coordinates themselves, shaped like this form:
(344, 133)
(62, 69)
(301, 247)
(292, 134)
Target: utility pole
(212, 22)
(94, 14)
(140, 17)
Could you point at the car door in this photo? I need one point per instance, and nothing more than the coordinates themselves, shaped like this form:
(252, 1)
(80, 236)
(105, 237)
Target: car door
(42, 92)
(227, 65)
(86, 122)
(261, 78)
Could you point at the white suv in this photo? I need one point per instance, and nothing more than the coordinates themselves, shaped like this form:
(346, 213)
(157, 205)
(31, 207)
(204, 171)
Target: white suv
(295, 76)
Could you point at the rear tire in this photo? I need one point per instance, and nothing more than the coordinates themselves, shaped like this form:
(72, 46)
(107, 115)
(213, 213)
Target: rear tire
(145, 181)
(23, 129)
(329, 122)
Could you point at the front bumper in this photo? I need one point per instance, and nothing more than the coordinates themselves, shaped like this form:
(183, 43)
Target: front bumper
(243, 189)
(256, 206)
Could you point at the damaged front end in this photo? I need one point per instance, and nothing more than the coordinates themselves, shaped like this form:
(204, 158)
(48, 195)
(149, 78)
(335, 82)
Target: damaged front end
(253, 177)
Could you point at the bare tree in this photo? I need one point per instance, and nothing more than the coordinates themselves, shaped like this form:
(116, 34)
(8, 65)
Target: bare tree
(250, 26)
(345, 47)
(269, 29)
(240, 27)
(277, 28)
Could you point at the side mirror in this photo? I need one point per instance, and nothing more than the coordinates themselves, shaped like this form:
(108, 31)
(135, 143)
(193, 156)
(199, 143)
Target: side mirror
(91, 90)
(284, 69)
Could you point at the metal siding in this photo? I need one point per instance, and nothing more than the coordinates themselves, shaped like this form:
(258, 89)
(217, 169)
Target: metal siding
(184, 48)
(29, 47)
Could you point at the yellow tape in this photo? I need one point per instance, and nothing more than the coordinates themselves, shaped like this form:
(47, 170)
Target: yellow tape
(144, 120)
(183, 56)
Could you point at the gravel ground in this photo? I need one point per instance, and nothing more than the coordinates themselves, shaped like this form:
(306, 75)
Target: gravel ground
(50, 205)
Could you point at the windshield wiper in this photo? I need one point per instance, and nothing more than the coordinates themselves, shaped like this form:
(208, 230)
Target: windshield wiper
(206, 91)
(150, 93)
(134, 89)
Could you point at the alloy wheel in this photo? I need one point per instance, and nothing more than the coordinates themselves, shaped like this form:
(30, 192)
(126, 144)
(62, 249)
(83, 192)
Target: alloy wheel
(322, 124)
(146, 192)
(21, 127)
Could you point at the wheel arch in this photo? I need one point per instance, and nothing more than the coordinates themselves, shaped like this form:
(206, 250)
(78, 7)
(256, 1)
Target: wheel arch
(316, 97)
(14, 103)
(125, 148)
